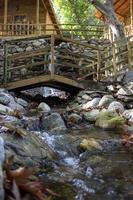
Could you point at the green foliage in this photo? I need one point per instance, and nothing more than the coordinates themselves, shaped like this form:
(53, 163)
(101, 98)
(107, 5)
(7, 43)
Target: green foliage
(75, 12)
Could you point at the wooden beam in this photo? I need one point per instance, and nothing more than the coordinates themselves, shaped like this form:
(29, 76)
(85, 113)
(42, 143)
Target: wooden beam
(5, 11)
(37, 14)
(131, 12)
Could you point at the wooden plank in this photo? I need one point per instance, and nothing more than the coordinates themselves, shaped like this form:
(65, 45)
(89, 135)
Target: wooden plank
(37, 15)
(43, 79)
(52, 55)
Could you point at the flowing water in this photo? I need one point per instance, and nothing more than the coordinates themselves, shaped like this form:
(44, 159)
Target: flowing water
(105, 174)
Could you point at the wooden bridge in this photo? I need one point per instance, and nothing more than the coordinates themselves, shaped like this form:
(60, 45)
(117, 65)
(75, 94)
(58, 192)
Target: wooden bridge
(61, 62)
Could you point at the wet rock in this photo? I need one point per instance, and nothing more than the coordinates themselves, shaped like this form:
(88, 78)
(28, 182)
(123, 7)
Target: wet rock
(116, 106)
(4, 99)
(75, 118)
(29, 149)
(91, 115)
(31, 123)
(52, 122)
(109, 120)
(106, 100)
(37, 44)
(15, 106)
(89, 144)
(92, 104)
(5, 110)
(44, 107)
(128, 114)
(22, 102)
(2, 158)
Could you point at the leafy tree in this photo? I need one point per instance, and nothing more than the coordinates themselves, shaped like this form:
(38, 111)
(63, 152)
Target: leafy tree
(79, 13)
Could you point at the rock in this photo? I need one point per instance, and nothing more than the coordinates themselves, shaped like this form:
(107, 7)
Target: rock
(74, 118)
(110, 88)
(52, 122)
(116, 106)
(5, 110)
(128, 114)
(44, 107)
(29, 48)
(86, 97)
(16, 106)
(109, 120)
(92, 104)
(22, 102)
(91, 115)
(2, 158)
(106, 100)
(91, 143)
(4, 98)
(124, 91)
(31, 123)
(29, 149)
(37, 44)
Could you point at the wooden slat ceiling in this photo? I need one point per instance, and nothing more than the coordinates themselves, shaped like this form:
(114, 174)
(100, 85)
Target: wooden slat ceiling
(122, 8)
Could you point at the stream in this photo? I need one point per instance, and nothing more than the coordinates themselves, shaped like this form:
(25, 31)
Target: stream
(89, 175)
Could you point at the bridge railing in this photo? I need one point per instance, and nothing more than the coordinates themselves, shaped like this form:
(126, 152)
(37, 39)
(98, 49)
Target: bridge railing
(60, 56)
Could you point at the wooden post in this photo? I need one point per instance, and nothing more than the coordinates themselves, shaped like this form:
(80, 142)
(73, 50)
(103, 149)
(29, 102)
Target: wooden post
(5, 14)
(52, 55)
(114, 59)
(131, 13)
(129, 53)
(5, 74)
(98, 64)
(37, 15)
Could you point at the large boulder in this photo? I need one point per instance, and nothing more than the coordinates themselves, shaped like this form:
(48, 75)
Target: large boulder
(91, 115)
(116, 106)
(109, 120)
(106, 100)
(92, 104)
(44, 107)
(52, 122)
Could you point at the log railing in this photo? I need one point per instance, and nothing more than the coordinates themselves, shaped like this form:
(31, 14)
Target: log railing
(75, 60)
(69, 30)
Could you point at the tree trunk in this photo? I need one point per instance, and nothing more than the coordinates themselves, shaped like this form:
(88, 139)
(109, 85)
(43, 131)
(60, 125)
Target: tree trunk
(107, 10)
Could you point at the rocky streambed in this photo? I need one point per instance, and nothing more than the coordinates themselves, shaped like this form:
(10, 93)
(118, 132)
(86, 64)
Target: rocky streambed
(79, 152)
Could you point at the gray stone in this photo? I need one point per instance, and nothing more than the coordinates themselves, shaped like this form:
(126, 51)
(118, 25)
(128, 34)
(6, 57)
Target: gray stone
(52, 122)
(128, 114)
(15, 106)
(106, 100)
(5, 110)
(74, 117)
(4, 98)
(116, 106)
(29, 48)
(86, 97)
(44, 107)
(21, 102)
(37, 44)
(91, 115)
(92, 104)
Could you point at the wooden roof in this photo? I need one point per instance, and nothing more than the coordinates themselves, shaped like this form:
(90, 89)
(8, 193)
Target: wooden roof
(52, 14)
(122, 8)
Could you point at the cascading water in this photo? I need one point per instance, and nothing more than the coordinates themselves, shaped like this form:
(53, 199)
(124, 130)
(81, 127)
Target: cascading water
(88, 175)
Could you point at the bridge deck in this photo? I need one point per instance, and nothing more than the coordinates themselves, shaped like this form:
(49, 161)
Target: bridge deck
(46, 80)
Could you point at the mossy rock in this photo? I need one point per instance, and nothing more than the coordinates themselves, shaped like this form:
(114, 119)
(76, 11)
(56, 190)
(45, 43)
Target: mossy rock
(109, 120)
